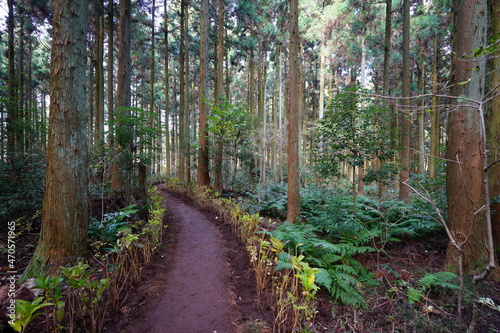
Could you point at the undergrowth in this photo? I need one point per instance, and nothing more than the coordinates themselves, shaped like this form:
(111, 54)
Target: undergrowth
(79, 298)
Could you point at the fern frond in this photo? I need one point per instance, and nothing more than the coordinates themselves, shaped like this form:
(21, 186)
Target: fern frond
(324, 279)
(414, 295)
(342, 280)
(438, 279)
(284, 261)
(343, 269)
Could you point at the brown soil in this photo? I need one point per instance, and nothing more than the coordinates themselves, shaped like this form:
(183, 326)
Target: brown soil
(200, 281)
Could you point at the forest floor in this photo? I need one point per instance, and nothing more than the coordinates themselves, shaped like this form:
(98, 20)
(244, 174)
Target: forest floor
(199, 281)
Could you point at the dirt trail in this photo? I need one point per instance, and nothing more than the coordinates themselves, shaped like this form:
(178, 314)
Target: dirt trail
(192, 285)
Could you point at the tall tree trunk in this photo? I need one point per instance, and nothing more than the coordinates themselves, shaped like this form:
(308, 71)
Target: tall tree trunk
(385, 84)
(30, 95)
(293, 205)
(361, 168)
(322, 75)
(99, 124)
(251, 83)
(203, 156)
(65, 215)
(280, 122)
(420, 151)
(91, 98)
(435, 123)
(110, 65)
(493, 122)
(276, 97)
(464, 171)
(404, 173)
(182, 93)
(153, 117)
(21, 97)
(167, 93)
(13, 136)
(187, 110)
(262, 115)
(123, 92)
(228, 72)
(219, 79)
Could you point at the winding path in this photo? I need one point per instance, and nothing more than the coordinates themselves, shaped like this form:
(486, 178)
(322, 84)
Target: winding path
(188, 288)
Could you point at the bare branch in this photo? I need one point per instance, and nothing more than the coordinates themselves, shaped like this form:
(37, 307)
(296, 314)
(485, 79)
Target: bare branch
(491, 164)
(427, 197)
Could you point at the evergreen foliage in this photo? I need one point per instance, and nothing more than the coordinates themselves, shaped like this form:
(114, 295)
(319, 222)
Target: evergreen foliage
(352, 132)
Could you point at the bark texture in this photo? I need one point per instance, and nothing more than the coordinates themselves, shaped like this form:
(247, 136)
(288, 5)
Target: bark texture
(65, 214)
(293, 205)
(465, 188)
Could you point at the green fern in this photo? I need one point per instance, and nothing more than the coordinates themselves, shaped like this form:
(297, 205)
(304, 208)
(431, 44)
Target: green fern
(439, 279)
(429, 281)
(414, 295)
(339, 273)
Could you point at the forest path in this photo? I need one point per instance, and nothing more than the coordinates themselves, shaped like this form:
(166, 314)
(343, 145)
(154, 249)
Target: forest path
(200, 282)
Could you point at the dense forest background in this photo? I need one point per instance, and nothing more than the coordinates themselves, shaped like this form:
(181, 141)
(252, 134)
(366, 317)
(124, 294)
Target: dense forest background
(369, 121)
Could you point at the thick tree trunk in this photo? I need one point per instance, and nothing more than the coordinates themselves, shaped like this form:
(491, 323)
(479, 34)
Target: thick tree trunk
(65, 216)
(293, 205)
(464, 154)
